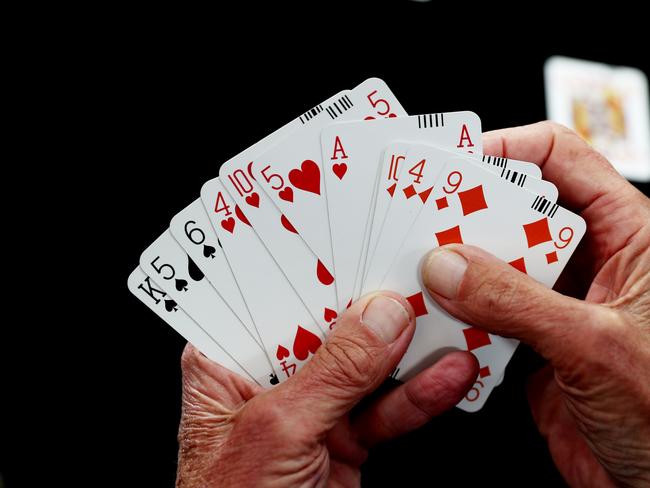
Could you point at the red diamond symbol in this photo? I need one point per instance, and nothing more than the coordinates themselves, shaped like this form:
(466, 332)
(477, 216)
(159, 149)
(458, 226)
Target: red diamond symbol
(442, 203)
(449, 236)
(519, 264)
(409, 191)
(424, 195)
(476, 338)
(391, 189)
(472, 200)
(484, 371)
(417, 302)
(537, 232)
(551, 257)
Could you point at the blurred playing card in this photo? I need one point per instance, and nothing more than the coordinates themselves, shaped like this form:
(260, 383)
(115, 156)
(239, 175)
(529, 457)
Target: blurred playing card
(607, 106)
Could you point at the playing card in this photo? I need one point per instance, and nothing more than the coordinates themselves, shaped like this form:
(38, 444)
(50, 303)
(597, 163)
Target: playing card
(607, 106)
(473, 206)
(166, 262)
(291, 172)
(149, 293)
(411, 189)
(514, 165)
(192, 229)
(289, 333)
(386, 183)
(351, 159)
(216, 268)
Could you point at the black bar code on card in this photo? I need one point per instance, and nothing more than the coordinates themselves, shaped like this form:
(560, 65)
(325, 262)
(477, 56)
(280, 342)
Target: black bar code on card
(310, 114)
(431, 120)
(515, 177)
(544, 206)
(494, 161)
(339, 106)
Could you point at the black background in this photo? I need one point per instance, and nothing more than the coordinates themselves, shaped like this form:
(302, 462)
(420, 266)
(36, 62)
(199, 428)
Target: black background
(157, 100)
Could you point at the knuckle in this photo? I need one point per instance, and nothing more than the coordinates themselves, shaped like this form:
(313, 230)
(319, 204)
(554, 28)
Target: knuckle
(189, 358)
(349, 362)
(495, 294)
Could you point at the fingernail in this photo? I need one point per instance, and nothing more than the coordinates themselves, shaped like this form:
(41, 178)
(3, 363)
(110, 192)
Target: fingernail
(386, 317)
(443, 271)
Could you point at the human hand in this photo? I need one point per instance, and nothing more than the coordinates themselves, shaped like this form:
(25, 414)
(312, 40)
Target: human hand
(592, 402)
(234, 433)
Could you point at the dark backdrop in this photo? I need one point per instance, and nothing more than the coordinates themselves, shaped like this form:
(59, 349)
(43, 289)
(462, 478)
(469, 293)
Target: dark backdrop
(159, 99)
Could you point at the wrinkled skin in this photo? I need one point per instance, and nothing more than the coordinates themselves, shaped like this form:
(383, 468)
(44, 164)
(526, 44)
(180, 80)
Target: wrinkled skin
(234, 433)
(592, 401)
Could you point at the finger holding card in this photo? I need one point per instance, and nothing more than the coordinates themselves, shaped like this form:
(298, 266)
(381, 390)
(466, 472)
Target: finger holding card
(472, 206)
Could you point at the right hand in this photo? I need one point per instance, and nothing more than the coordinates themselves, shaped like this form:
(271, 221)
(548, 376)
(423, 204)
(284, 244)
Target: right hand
(592, 402)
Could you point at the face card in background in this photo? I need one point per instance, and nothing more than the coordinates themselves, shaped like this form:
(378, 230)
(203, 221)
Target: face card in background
(472, 206)
(289, 333)
(166, 262)
(291, 172)
(149, 293)
(192, 229)
(351, 159)
(607, 106)
(416, 178)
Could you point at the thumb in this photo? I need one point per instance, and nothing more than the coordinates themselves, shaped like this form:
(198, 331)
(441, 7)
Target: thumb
(365, 346)
(480, 289)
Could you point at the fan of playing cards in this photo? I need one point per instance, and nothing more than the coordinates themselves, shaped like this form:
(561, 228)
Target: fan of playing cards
(344, 200)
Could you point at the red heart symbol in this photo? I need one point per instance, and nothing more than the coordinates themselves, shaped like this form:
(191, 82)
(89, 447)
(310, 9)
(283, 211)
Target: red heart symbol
(228, 224)
(286, 194)
(340, 170)
(240, 215)
(329, 314)
(307, 177)
(287, 225)
(305, 342)
(324, 276)
(282, 353)
(253, 200)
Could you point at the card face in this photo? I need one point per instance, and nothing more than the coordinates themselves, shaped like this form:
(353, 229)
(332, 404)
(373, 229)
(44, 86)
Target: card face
(193, 231)
(514, 165)
(149, 293)
(473, 206)
(410, 190)
(607, 106)
(351, 160)
(386, 184)
(289, 333)
(291, 172)
(166, 262)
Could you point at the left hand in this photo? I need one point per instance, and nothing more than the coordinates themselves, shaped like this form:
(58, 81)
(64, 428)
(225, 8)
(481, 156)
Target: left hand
(234, 433)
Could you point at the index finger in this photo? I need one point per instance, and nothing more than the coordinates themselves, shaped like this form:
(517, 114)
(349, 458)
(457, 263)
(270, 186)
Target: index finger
(580, 173)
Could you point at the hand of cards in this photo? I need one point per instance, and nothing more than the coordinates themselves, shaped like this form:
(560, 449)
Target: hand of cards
(344, 200)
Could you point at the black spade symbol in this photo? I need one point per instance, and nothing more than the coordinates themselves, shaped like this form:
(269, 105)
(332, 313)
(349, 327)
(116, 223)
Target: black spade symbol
(181, 285)
(219, 242)
(208, 251)
(195, 273)
(274, 379)
(170, 305)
